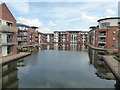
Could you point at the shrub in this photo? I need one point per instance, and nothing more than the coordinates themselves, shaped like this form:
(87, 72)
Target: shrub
(117, 58)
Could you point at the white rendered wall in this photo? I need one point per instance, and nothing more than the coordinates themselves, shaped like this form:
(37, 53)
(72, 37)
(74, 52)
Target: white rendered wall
(4, 38)
(4, 50)
(113, 22)
(56, 37)
(48, 38)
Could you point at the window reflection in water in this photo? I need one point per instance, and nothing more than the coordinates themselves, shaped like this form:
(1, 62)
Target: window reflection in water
(10, 76)
(60, 46)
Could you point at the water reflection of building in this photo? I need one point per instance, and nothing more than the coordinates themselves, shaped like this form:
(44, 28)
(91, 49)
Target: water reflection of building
(60, 46)
(10, 76)
(70, 37)
(97, 61)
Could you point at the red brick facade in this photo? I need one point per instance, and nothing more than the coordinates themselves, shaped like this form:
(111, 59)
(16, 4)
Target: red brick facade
(28, 37)
(106, 38)
(6, 14)
(7, 21)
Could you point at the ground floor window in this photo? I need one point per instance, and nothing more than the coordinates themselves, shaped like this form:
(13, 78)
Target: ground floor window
(9, 50)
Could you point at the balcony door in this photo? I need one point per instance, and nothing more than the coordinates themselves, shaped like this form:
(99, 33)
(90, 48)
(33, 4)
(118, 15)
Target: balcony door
(9, 38)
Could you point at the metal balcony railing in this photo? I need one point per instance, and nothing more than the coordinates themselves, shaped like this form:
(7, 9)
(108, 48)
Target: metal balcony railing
(24, 34)
(20, 34)
(8, 28)
(19, 39)
(24, 39)
(101, 46)
(102, 34)
(102, 40)
(10, 42)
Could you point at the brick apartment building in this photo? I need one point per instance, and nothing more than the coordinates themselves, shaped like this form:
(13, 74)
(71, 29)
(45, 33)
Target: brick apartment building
(28, 37)
(65, 39)
(105, 35)
(8, 32)
(70, 37)
(48, 37)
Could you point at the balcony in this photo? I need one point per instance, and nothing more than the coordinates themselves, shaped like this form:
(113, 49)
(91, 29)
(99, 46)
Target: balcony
(102, 35)
(19, 34)
(9, 42)
(24, 39)
(4, 28)
(25, 35)
(101, 46)
(102, 41)
(36, 36)
(19, 39)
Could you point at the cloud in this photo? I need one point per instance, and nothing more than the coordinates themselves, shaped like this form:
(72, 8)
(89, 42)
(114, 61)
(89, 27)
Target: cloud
(45, 30)
(51, 23)
(62, 0)
(110, 12)
(20, 7)
(30, 22)
(34, 22)
(89, 18)
(63, 16)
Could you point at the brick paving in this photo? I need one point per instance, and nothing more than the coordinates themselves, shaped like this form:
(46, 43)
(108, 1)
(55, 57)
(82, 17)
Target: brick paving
(114, 66)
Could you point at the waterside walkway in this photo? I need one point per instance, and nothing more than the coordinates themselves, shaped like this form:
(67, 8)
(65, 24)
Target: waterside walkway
(6, 60)
(114, 66)
(102, 49)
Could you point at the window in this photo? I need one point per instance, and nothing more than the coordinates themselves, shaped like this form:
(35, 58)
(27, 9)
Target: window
(25, 33)
(119, 23)
(9, 50)
(113, 39)
(105, 24)
(9, 38)
(0, 22)
(24, 38)
(8, 24)
(113, 45)
(114, 32)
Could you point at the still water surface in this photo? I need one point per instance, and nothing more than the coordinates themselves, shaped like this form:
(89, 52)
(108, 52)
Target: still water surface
(59, 69)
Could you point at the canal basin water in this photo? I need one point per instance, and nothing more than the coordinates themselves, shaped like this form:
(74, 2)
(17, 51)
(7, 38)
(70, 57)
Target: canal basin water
(59, 69)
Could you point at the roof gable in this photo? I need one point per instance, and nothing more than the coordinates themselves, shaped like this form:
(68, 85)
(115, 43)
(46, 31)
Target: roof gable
(6, 14)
